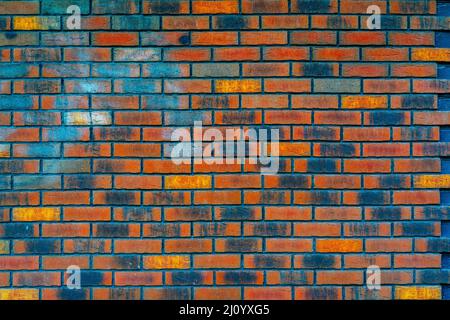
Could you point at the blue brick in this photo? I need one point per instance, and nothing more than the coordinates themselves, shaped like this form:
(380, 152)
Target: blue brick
(444, 104)
(322, 165)
(5, 182)
(446, 292)
(387, 118)
(3, 23)
(115, 70)
(337, 149)
(391, 22)
(445, 134)
(392, 181)
(418, 102)
(137, 213)
(162, 70)
(140, 86)
(237, 213)
(91, 278)
(318, 261)
(318, 69)
(436, 213)
(240, 277)
(60, 7)
(434, 276)
(386, 213)
(15, 70)
(445, 197)
(445, 165)
(42, 246)
(37, 182)
(38, 150)
(164, 6)
(187, 277)
(72, 294)
(112, 230)
(446, 261)
(135, 23)
(65, 166)
(439, 245)
(231, 22)
(65, 134)
(313, 6)
(444, 71)
(15, 102)
(16, 230)
(373, 197)
(116, 6)
(417, 228)
(445, 229)
(324, 197)
(162, 102)
(443, 39)
(443, 8)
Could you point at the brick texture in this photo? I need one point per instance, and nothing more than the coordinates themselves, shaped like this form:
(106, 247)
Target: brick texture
(86, 178)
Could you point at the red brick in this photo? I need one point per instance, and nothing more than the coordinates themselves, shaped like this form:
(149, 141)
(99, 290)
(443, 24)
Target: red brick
(263, 37)
(385, 54)
(313, 37)
(261, 293)
(115, 39)
(335, 54)
(214, 38)
(236, 54)
(362, 38)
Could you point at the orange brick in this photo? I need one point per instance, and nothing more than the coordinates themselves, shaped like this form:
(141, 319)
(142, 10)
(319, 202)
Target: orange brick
(187, 182)
(430, 54)
(115, 38)
(260, 293)
(215, 7)
(339, 245)
(36, 214)
(219, 261)
(231, 86)
(167, 262)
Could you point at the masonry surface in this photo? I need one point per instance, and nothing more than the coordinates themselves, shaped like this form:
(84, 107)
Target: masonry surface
(86, 177)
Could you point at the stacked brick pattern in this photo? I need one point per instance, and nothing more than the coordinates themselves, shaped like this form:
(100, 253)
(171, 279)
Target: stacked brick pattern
(86, 177)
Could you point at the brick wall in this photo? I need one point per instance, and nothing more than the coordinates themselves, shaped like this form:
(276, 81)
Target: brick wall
(86, 176)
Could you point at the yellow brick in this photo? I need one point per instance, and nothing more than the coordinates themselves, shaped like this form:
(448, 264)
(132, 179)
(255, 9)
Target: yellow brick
(432, 181)
(338, 245)
(431, 54)
(225, 86)
(27, 23)
(36, 214)
(364, 102)
(4, 246)
(167, 262)
(4, 152)
(188, 182)
(417, 293)
(19, 294)
(35, 23)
